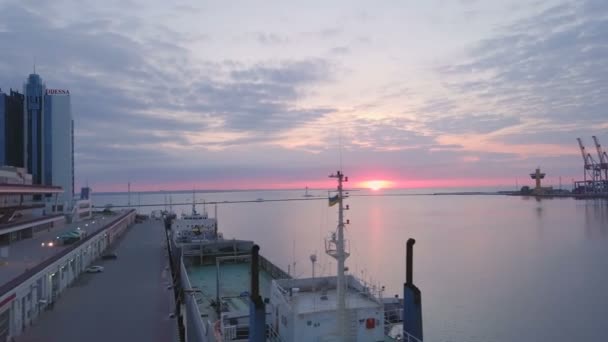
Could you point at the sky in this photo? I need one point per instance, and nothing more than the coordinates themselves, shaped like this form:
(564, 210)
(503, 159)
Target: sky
(279, 94)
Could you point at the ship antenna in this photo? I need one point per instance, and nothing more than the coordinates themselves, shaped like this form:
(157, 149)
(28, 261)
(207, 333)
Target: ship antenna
(340, 147)
(336, 248)
(193, 202)
(313, 260)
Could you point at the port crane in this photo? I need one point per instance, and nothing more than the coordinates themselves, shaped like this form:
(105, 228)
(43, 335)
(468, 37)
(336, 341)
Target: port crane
(595, 173)
(592, 169)
(603, 157)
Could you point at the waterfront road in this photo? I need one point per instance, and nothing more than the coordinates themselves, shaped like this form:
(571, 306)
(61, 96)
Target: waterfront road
(28, 253)
(129, 301)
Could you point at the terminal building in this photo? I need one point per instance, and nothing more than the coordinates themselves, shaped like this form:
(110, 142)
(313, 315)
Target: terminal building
(21, 215)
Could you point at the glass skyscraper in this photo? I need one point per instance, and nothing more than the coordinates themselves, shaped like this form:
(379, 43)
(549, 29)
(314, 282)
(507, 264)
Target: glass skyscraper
(48, 142)
(59, 142)
(34, 91)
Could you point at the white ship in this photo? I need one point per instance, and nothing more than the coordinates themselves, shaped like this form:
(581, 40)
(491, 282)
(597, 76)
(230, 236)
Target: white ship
(195, 226)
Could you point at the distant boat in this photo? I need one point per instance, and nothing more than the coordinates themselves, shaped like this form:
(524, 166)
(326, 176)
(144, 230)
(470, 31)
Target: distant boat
(195, 226)
(259, 200)
(306, 194)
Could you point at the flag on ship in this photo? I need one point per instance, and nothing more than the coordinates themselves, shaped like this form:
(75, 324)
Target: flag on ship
(334, 200)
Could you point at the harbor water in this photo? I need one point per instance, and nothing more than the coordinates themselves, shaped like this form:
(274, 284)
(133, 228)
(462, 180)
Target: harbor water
(491, 268)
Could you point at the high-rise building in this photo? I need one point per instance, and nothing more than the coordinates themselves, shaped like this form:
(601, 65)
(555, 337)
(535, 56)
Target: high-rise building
(59, 143)
(34, 91)
(49, 138)
(11, 129)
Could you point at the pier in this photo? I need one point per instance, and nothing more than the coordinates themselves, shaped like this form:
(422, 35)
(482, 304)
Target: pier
(128, 301)
(35, 278)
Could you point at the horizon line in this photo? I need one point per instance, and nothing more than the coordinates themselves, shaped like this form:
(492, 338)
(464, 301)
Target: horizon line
(496, 187)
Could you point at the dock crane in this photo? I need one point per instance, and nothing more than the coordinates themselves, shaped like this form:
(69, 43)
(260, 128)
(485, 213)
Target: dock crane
(592, 169)
(603, 158)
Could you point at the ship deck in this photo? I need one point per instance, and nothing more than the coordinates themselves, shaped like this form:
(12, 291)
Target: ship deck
(310, 295)
(308, 302)
(234, 283)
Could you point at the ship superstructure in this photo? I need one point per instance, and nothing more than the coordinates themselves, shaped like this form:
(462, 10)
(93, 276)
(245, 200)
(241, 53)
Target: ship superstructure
(307, 310)
(331, 308)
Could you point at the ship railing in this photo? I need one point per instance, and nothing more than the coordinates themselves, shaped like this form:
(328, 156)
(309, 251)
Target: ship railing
(393, 318)
(409, 338)
(283, 293)
(229, 332)
(402, 336)
(271, 334)
(371, 291)
(394, 315)
(193, 314)
(274, 271)
(224, 332)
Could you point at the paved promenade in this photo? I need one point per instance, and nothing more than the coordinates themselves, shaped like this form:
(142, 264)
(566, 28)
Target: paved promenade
(129, 301)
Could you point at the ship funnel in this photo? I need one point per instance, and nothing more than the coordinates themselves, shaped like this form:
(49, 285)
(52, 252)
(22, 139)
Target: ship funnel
(412, 297)
(409, 260)
(257, 310)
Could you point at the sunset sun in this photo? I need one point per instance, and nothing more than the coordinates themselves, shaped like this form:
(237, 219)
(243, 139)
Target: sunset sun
(376, 184)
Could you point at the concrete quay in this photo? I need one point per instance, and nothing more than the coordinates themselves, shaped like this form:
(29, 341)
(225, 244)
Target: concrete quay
(128, 301)
(37, 289)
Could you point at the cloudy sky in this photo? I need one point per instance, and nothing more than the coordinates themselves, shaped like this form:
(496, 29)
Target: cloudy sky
(261, 94)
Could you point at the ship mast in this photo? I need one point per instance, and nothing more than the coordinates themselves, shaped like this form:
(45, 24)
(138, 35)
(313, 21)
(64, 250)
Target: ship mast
(336, 248)
(193, 202)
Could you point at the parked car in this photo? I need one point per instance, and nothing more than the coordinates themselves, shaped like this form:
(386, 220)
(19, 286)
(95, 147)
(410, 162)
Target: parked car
(109, 256)
(94, 269)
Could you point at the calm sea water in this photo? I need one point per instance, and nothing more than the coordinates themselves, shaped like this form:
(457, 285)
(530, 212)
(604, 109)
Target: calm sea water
(491, 268)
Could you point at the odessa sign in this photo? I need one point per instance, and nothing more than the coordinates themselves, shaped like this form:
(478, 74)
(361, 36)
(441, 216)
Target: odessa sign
(57, 92)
